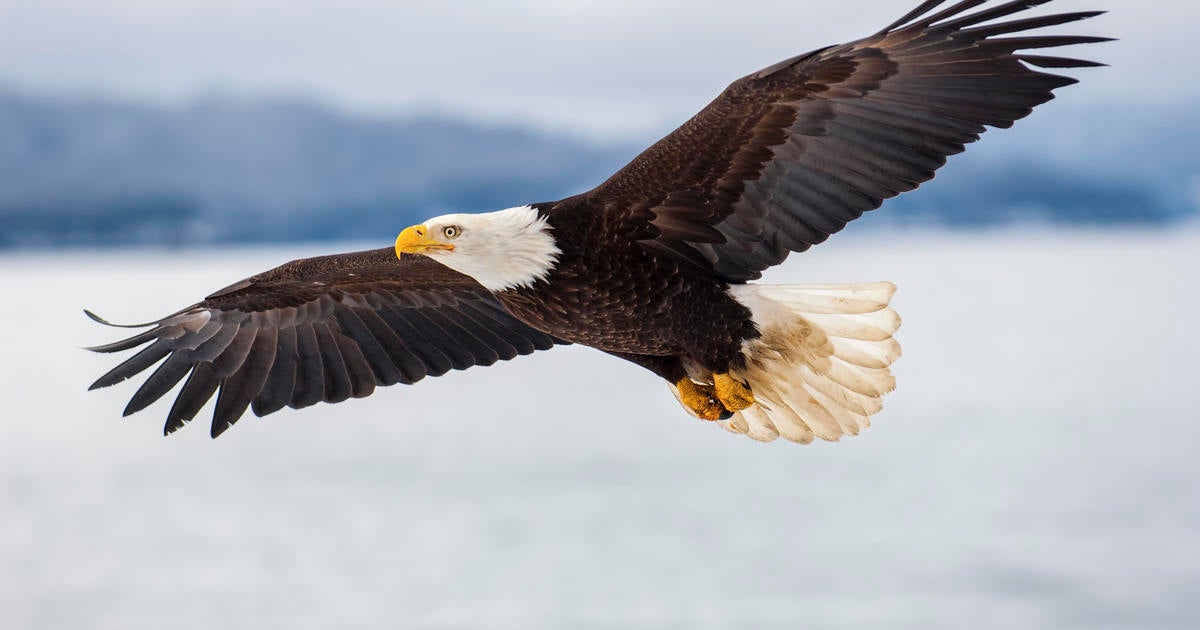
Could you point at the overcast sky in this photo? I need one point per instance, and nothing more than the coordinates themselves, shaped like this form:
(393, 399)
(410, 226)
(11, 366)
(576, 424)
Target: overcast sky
(603, 68)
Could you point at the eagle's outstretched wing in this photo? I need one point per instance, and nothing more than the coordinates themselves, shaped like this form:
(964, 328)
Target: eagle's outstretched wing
(787, 156)
(319, 329)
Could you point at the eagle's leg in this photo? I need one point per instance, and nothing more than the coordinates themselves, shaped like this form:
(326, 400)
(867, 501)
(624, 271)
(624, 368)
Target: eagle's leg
(701, 399)
(733, 394)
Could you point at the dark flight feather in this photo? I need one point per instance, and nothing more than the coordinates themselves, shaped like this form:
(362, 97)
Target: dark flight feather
(200, 386)
(281, 380)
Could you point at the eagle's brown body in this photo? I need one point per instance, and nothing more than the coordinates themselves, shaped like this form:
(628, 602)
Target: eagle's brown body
(647, 260)
(632, 302)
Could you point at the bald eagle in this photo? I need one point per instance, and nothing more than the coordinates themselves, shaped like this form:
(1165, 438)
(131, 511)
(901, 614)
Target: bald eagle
(655, 265)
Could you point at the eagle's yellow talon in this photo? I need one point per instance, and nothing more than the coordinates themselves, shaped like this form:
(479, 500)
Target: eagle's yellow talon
(732, 393)
(700, 399)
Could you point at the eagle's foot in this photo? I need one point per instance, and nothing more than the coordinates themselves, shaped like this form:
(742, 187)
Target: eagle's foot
(701, 400)
(733, 394)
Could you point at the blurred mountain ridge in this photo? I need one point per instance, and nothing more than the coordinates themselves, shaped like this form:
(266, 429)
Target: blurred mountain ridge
(86, 171)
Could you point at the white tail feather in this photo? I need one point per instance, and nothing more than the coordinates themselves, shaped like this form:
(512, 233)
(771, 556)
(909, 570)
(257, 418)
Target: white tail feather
(821, 367)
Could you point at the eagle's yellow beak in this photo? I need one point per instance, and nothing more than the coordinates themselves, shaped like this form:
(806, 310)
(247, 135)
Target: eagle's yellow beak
(413, 240)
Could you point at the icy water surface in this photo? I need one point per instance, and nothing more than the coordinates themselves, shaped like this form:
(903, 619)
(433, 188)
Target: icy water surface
(1037, 468)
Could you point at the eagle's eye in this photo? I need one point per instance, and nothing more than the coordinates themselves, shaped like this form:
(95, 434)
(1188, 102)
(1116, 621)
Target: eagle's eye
(451, 231)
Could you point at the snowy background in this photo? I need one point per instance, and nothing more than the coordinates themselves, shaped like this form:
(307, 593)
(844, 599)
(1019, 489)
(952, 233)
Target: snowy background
(1035, 468)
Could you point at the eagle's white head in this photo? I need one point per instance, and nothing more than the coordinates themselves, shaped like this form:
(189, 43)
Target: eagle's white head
(501, 250)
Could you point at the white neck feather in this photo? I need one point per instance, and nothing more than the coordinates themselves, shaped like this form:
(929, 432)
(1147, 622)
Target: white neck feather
(501, 250)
